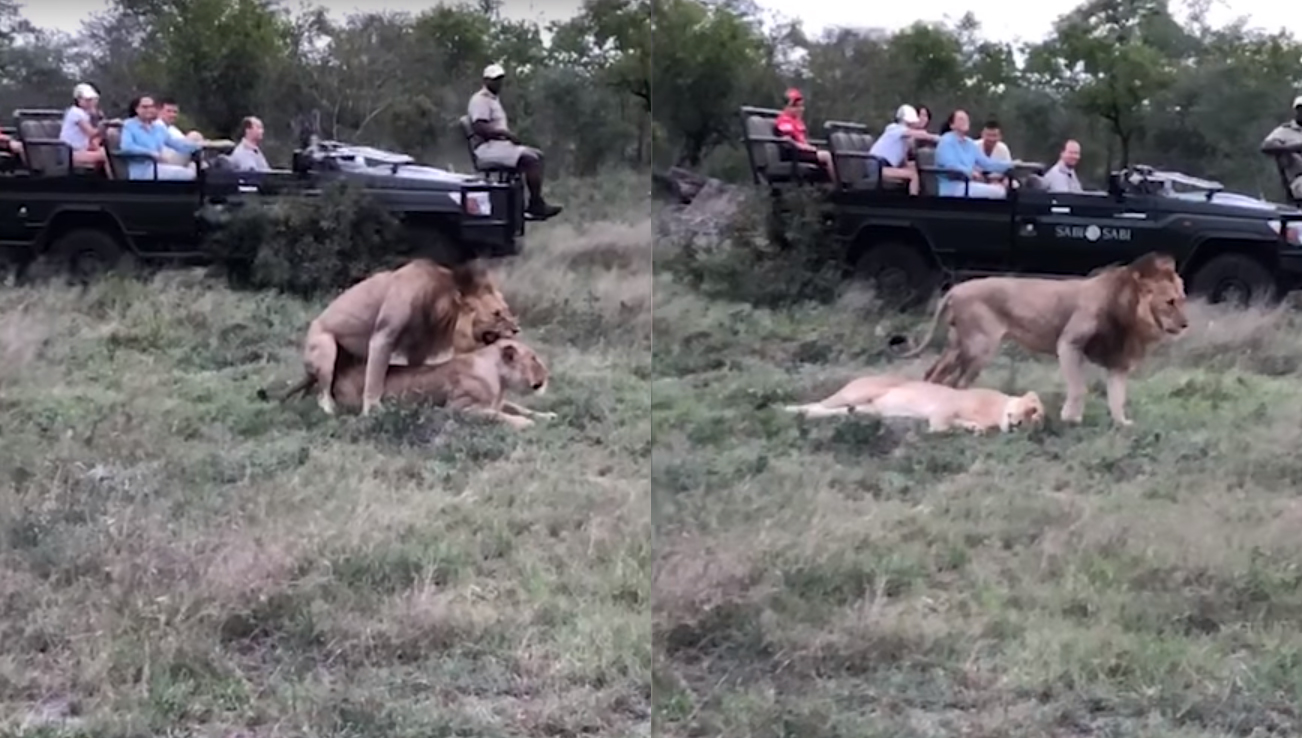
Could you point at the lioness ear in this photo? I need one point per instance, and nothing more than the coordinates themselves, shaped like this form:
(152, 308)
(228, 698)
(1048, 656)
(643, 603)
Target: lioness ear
(509, 354)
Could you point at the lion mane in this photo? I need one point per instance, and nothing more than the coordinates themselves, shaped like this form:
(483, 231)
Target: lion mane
(1110, 318)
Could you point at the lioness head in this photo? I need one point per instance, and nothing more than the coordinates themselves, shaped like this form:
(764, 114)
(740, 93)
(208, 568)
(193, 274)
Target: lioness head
(1026, 410)
(485, 316)
(521, 368)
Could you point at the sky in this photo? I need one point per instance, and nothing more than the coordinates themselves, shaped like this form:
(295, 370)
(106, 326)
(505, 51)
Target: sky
(1028, 21)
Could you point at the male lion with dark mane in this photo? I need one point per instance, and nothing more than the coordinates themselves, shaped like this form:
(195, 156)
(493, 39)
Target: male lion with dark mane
(1110, 318)
(422, 309)
(475, 382)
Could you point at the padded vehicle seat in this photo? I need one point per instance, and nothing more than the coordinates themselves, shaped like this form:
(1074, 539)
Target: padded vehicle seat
(473, 141)
(773, 160)
(43, 152)
(117, 165)
(928, 182)
(850, 152)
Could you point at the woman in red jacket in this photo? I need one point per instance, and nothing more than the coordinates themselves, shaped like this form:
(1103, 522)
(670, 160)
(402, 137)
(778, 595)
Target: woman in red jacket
(791, 123)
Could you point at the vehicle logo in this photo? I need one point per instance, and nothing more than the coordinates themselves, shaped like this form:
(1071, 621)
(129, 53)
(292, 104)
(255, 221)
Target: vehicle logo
(1092, 233)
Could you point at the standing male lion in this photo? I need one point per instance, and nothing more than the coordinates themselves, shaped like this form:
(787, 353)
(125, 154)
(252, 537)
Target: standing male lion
(414, 309)
(1110, 318)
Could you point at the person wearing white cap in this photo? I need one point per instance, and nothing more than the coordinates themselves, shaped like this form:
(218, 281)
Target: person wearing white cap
(891, 149)
(499, 147)
(79, 128)
(1285, 144)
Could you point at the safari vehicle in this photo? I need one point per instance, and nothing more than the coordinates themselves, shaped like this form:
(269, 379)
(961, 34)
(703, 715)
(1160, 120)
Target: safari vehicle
(86, 220)
(1227, 246)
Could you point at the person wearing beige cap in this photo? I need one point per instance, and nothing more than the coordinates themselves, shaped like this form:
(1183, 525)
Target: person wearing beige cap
(79, 129)
(500, 148)
(1285, 144)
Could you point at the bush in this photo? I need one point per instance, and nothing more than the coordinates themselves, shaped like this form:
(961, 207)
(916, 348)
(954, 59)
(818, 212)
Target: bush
(765, 259)
(307, 245)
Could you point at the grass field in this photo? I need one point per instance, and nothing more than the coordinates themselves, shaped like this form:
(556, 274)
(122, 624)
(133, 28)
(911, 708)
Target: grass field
(179, 559)
(846, 578)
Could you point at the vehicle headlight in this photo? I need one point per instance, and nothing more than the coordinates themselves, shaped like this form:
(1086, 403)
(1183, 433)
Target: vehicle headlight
(1293, 234)
(476, 203)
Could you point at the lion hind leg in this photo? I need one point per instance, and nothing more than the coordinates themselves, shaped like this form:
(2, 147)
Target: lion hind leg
(319, 354)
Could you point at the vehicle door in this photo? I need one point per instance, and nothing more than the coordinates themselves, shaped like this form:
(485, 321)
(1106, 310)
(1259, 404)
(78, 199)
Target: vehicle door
(1066, 234)
(972, 237)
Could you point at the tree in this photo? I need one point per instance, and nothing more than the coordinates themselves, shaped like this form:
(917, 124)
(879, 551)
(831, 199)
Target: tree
(1103, 58)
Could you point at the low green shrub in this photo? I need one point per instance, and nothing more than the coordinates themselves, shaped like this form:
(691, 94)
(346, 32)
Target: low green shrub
(306, 245)
(765, 258)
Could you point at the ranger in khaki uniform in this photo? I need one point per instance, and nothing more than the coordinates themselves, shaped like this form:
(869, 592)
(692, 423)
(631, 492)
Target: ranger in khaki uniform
(499, 147)
(1285, 144)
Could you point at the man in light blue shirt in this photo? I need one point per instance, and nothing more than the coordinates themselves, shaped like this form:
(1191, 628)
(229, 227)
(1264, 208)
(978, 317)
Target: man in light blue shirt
(144, 137)
(960, 154)
(892, 147)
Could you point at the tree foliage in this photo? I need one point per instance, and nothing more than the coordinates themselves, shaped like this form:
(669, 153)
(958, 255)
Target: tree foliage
(624, 82)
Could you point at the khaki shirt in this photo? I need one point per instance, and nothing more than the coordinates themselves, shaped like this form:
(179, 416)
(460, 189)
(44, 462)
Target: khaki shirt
(484, 106)
(1289, 133)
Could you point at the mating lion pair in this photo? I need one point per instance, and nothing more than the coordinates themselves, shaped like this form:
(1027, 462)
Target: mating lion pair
(452, 326)
(1111, 319)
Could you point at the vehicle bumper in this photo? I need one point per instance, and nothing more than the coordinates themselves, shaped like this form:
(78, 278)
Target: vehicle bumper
(1290, 268)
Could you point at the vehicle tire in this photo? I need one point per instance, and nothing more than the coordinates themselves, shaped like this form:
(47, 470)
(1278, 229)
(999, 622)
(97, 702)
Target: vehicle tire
(86, 253)
(902, 277)
(1237, 279)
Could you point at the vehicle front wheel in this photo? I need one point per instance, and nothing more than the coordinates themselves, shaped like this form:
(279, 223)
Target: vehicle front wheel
(1237, 279)
(901, 276)
(86, 253)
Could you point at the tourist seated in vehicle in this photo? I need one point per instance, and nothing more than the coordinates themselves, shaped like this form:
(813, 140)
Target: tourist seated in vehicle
(12, 145)
(168, 110)
(1285, 144)
(80, 129)
(502, 148)
(959, 154)
(993, 146)
(892, 148)
(1061, 177)
(791, 124)
(144, 138)
(924, 118)
(247, 155)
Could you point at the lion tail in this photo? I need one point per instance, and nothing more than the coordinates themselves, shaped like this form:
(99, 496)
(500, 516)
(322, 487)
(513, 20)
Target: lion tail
(931, 332)
(301, 388)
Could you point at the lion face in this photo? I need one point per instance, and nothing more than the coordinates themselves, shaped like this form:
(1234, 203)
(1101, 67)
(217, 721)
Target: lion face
(522, 370)
(485, 318)
(1164, 302)
(1026, 410)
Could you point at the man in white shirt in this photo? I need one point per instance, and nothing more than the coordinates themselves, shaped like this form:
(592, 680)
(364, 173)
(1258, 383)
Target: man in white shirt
(167, 112)
(891, 149)
(1061, 177)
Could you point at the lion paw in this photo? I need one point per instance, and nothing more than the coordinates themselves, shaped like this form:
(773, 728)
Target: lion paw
(1123, 422)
